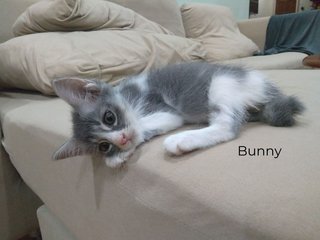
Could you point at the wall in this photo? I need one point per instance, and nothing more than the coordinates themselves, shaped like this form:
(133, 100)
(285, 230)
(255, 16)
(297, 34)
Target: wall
(240, 8)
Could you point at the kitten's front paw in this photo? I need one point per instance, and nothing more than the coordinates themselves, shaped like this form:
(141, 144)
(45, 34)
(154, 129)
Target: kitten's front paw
(114, 162)
(119, 160)
(179, 144)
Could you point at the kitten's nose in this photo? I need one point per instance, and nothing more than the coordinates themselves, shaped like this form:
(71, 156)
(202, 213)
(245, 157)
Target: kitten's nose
(124, 139)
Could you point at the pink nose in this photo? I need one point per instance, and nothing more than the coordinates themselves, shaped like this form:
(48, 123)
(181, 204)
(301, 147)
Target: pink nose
(124, 139)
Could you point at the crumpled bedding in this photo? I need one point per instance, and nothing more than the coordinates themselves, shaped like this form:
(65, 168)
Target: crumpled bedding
(81, 15)
(105, 41)
(87, 38)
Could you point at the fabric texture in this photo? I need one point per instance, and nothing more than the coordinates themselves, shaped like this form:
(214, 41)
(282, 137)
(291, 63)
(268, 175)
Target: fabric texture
(32, 61)
(81, 15)
(215, 27)
(204, 195)
(295, 32)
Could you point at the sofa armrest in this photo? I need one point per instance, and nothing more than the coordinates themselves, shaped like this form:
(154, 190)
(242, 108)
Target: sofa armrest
(255, 29)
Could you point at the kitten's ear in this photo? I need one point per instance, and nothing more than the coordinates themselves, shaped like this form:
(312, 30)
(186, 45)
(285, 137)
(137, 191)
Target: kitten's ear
(76, 91)
(71, 148)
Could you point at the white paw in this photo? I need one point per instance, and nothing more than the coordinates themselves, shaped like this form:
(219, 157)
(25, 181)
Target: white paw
(180, 143)
(114, 162)
(120, 159)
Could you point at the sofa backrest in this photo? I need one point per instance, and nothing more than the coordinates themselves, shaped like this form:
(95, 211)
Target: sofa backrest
(164, 12)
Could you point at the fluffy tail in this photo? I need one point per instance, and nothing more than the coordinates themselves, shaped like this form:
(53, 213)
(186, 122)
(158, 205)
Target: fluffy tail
(280, 110)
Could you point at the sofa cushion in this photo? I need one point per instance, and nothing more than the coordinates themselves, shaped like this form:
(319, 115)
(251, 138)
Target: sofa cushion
(32, 61)
(289, 60)
(81, 15)
(205, 195)
(215, 27)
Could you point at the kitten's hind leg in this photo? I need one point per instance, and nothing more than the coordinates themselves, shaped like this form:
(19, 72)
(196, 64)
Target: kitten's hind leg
(159, 123)
(224, 126)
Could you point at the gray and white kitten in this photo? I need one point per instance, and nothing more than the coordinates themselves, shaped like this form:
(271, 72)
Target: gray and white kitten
(112, 121)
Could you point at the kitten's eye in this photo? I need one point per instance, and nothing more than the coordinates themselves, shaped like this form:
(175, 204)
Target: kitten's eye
(104, 147)
(109, 118)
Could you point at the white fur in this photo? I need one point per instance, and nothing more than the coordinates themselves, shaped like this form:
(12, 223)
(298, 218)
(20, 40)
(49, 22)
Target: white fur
(117, 160)
(141, 81)
(229, 91)
(219, 131)
(161, 122)
(227, 94)
(133, 115)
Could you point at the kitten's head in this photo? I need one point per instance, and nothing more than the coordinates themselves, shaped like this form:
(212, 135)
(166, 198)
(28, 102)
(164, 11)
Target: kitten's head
(103, 124)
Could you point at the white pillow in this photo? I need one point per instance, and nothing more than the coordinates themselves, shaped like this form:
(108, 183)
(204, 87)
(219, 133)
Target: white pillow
(33, 61)
(215, 27)
(81, 15)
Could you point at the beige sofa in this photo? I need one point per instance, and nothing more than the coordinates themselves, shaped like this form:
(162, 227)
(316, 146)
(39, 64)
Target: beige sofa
(209, 194)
